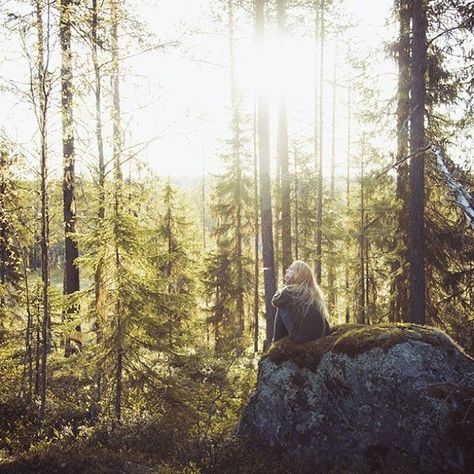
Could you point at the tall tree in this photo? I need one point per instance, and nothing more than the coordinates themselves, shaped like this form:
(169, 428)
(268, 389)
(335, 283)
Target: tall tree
(332, 292)
(319, 210)
(296, 196)
(362, 246)
(417, 180)
(175, 261)
(42, 115)
(256, 242)
(99, 285)
(282, 149)
(71, 271)
(236, 152)
(399, 303)
(316, 105)
(265, 188)
(348, 180)
(117, 155)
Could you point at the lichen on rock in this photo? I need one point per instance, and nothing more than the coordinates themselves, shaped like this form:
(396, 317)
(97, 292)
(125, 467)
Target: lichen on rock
(367, 398)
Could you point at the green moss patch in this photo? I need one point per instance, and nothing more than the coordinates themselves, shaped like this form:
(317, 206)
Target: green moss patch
(354, 339)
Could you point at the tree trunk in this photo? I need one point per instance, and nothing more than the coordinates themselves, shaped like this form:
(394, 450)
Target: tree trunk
(203, 209)
(317, 23)
(99, 284)
(38, 352)
(256, 299)
(348, 182)
(71, 272)
(319, 211)
(399, 299)
(265, 188)
(367, 281)
(117, 151)
(236, 146)
(29, 326)
(42, 114)
(296, 239)
(98, 277)
(362, 300)
(417, 182)
(282, 151)
(332, 195)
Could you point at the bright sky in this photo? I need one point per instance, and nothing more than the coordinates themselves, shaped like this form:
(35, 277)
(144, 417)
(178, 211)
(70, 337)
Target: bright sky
(178, 100)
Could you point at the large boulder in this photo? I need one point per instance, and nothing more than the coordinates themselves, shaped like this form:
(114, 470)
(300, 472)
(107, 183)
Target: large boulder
(387, 398)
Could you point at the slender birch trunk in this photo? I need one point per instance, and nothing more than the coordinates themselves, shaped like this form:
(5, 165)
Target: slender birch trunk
(42, 117)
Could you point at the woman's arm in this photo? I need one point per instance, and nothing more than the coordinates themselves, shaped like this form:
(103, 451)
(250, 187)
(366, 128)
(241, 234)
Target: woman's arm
(279, 329)
(281, 298)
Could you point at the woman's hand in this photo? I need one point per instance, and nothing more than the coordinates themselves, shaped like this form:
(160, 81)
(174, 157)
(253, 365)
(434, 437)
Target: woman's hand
(289, 277)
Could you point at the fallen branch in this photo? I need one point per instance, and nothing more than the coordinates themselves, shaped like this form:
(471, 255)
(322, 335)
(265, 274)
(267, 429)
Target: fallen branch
(405, 158)
(462, 197)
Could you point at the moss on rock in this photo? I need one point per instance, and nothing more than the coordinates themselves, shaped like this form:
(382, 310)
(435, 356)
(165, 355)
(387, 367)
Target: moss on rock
(354, 339)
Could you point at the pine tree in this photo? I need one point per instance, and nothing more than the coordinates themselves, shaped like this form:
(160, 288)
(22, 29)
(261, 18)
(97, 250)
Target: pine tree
(399, 299)
(71, 271)
(269, 274)
(416, 175)
(319, 209)
(175, 262)
(282, 151)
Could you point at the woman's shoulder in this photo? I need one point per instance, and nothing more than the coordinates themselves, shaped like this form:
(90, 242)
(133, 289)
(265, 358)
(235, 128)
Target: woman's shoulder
(282, 297)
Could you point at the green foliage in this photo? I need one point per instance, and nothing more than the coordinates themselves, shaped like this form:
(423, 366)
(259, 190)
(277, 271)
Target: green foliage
(450, 253)
(12, 231)
(228, 273)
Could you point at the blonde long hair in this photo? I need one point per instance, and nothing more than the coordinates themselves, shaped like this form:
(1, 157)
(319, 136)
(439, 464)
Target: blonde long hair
(305, 290)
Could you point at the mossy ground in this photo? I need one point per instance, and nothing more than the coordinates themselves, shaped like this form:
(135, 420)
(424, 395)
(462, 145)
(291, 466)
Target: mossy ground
(354, 339)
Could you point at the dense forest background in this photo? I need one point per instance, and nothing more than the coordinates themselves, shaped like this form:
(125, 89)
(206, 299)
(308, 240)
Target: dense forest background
(135, 304)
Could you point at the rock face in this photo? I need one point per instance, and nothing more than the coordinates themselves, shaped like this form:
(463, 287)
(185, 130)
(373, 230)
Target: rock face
(389, 398)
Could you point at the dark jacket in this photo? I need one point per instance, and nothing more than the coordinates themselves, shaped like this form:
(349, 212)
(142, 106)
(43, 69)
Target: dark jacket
(300, 324)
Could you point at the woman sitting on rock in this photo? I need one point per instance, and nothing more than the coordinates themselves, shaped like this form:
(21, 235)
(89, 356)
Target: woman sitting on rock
(301, 311)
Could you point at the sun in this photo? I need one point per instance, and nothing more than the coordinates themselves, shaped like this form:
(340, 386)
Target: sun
(281, 68)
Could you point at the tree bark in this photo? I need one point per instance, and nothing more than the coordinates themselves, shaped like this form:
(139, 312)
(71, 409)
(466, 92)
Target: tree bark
(99, 284)
(282, 149)
(362, 299)
(256, 299)
(236, 146)
(417, 182)
(71, 272)
(117, 151)
(42, 116)
(348, 182)
(265, 188)
(332, 295)
(399, 300)
(319, 215)
(29, 327)
(296, 211)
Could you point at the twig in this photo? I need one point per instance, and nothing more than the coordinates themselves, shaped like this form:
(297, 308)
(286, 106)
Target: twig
(405, 158)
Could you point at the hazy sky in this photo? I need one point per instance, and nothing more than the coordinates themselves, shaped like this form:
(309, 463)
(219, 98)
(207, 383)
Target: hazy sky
(176, 101)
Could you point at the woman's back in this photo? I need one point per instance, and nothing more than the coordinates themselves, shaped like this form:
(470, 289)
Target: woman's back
(302, 323)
